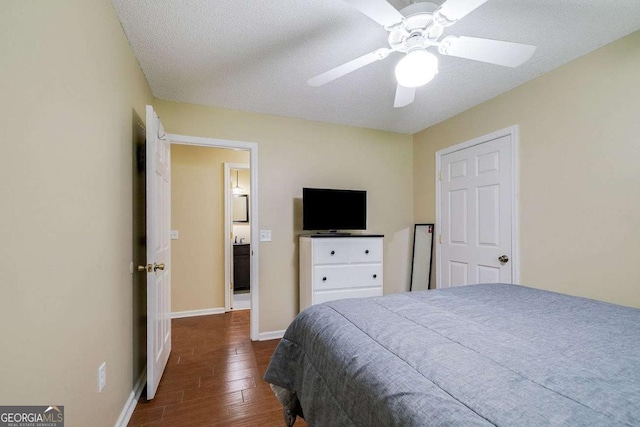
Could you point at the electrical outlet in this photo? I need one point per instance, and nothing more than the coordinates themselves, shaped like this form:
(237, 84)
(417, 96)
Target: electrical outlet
(102, 376)
(175, 235)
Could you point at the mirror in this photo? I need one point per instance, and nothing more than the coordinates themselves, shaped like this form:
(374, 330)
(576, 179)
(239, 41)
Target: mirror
(240, 208)
(422, 257)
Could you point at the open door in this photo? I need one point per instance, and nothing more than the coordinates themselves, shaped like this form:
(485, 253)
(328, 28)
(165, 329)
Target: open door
(158, 251)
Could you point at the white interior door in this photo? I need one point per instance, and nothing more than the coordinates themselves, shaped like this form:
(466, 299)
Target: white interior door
(158, 251)
(476, 214)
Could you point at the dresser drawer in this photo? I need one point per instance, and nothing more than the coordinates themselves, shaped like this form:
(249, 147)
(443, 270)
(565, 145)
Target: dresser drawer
(331, 251)
(347, 276)
(320, 296)
(365, 250)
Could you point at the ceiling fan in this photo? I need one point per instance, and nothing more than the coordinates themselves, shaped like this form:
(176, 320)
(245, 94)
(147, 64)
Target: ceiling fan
(413, 31)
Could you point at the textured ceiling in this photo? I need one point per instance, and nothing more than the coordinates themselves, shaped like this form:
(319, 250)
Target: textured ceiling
(257, 56)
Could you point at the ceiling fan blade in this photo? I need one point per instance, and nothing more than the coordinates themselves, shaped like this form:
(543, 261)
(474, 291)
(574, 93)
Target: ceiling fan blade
(453, 10)
(348, 67)
(497, 52)
(404, 96)
(378, 10)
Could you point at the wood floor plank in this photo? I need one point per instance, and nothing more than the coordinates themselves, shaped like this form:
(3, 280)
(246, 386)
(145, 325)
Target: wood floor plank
(178, 384)
(224, 376)
(218, 389)
(161, 399)
(234, 366)
(207, 409)
(258, 393)
(147, 415)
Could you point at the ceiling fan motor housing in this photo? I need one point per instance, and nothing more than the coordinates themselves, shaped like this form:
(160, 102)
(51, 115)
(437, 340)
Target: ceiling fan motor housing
(417, 30)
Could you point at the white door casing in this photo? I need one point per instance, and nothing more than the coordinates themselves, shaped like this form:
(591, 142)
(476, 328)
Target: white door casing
(477, 211)
(158, 251)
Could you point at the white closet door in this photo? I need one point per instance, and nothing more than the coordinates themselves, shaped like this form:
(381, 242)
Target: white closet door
(476, 214)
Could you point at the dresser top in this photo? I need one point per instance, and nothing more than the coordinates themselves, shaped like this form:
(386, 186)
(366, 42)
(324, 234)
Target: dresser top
(338, 235)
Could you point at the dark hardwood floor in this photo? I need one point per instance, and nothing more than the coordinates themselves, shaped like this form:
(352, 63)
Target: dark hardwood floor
(213, 377)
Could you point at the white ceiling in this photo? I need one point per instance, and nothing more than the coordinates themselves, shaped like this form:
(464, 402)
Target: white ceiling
(257, 56)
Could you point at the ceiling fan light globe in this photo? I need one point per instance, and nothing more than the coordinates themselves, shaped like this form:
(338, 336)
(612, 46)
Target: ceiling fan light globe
(417, 68)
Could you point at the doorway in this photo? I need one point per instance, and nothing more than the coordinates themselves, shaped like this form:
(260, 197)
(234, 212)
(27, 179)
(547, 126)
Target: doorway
(238, 227)
(477, 211)
(252, 149)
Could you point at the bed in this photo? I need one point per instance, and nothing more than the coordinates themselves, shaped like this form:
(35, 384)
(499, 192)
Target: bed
(476, 355)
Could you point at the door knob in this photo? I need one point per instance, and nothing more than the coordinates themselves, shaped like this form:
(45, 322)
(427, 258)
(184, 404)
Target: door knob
(503, 259)
(146, 268)
(157, 267)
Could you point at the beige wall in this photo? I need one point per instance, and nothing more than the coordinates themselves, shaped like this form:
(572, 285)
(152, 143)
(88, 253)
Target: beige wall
(579, 171)
(197, 212)
(297, 153)
(69, 84)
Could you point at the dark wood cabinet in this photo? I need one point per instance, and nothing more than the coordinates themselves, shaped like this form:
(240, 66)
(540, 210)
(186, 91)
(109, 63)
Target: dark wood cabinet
(241, 267)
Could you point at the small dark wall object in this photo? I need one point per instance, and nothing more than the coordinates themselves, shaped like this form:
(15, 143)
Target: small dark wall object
(422, 257)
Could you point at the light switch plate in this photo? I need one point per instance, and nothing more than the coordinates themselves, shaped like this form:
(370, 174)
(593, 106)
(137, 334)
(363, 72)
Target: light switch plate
(174, 234)
(265, 235)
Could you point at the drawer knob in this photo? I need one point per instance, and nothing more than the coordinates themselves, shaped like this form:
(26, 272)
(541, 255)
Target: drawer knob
(367, 251)
(333, 252)
(375, 276)
(324, 279)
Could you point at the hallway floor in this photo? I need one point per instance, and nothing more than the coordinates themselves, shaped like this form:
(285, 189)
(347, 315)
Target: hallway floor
(241, 300)
(213, 377)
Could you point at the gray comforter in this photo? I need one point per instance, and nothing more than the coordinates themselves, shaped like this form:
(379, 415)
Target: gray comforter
(476, 355)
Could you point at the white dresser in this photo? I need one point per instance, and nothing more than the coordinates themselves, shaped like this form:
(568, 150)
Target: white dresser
(339, 267)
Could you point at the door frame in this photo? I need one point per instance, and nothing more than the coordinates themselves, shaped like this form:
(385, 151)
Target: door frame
(228, 229)
(252, 147)
(514, 132)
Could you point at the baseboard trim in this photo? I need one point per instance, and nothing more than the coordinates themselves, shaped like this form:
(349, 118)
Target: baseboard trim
(273, 335)
(193, 313)
(132, 401)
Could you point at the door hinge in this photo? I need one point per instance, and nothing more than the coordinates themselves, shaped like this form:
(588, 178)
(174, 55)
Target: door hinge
(440, 175)
(231, 235)
(440, 239)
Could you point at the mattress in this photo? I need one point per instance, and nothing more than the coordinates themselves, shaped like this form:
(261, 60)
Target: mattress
(478, 355)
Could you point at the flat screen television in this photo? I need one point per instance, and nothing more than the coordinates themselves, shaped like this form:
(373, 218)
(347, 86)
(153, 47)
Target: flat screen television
(332, 210)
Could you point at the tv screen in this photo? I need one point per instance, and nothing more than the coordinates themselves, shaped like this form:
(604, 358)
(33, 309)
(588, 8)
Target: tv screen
(325, 209)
